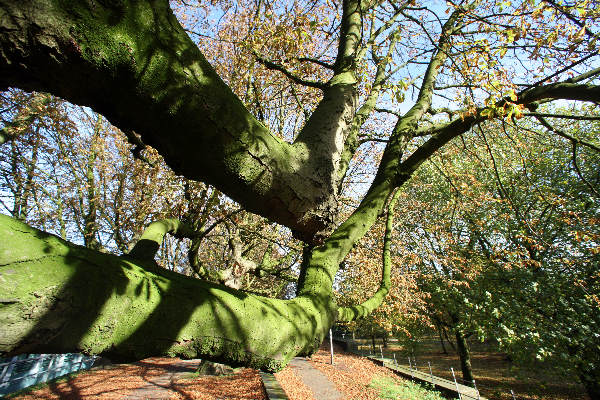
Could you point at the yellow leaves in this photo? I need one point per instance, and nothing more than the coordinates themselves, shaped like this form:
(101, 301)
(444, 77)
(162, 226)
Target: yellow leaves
(510, 35)
(579, 35)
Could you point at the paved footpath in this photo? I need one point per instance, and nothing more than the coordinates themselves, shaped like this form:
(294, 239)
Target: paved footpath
(323, 388)
(158, 386)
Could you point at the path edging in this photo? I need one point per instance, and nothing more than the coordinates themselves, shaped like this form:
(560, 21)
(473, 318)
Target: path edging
(272, 387)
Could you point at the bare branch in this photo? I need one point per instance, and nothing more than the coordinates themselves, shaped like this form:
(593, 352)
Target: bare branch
(559, 132)
(278, 67)
(563, 116)
(315, 61)
(574, 156)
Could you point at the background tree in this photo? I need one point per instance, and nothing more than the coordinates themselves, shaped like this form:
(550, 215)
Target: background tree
(499, 226)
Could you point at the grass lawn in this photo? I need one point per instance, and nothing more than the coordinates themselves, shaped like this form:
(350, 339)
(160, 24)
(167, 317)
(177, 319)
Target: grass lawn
(388, 388)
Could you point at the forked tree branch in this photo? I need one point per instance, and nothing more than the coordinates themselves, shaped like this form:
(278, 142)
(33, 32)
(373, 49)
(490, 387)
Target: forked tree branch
(365, 308)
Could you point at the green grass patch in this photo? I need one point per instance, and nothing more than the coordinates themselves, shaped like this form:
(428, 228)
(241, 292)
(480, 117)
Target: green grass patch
(389, 388)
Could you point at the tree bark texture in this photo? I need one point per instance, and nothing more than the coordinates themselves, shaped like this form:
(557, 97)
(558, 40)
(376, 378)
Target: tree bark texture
(133, 63)
(464, 354)
(59, 297)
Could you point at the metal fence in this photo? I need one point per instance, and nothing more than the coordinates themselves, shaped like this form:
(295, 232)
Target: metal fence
(24, 370)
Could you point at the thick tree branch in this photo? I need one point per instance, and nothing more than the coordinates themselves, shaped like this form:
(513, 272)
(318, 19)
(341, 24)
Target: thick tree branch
(350, 39)
(72, 299)
(133, 63)
(153, 235)
(365, 308)
(425, 95)
(360, 117)
(561, 90)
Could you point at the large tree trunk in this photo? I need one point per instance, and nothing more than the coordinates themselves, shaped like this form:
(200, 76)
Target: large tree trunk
(465, 358)
(134, 63)
(59, 297)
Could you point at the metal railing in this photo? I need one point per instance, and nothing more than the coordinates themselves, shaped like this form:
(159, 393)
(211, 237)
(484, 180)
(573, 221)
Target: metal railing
(465, 390)
(26, 370)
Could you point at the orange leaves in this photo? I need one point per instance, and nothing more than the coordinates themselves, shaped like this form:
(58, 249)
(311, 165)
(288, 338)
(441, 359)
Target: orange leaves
(126, 379)
(244, 384)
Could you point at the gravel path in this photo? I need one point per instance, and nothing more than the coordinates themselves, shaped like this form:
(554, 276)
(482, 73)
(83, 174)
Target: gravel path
(320, 385)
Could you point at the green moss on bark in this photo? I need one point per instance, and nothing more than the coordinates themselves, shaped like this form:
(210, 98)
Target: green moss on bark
(60, 297)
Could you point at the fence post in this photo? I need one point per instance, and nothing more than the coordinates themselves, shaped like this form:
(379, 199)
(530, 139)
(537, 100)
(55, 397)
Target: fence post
(8, 371)
(395, 361)
(48, 370)
(331, 344)
(430, 372)
(513, 394)
(475, 386)
(410, 367)
(60, 364)
(381, 351)
(34, 373)
(456, 383)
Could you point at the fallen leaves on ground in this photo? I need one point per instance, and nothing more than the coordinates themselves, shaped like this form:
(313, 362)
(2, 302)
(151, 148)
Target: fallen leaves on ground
(124, 379)
(103, 384)
(244, 384)
(350, 374)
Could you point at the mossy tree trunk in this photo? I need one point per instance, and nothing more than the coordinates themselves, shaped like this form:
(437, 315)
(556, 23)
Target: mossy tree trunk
(59, 297)
(133, 62)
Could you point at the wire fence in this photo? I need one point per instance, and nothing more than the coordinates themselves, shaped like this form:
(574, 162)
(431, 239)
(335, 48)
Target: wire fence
(25, 370)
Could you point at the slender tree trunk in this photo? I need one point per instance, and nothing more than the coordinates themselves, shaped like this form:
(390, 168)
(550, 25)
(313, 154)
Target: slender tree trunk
(442, 340)
(90, 215)
(465, 358)
(373, 341)
(448, 340)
